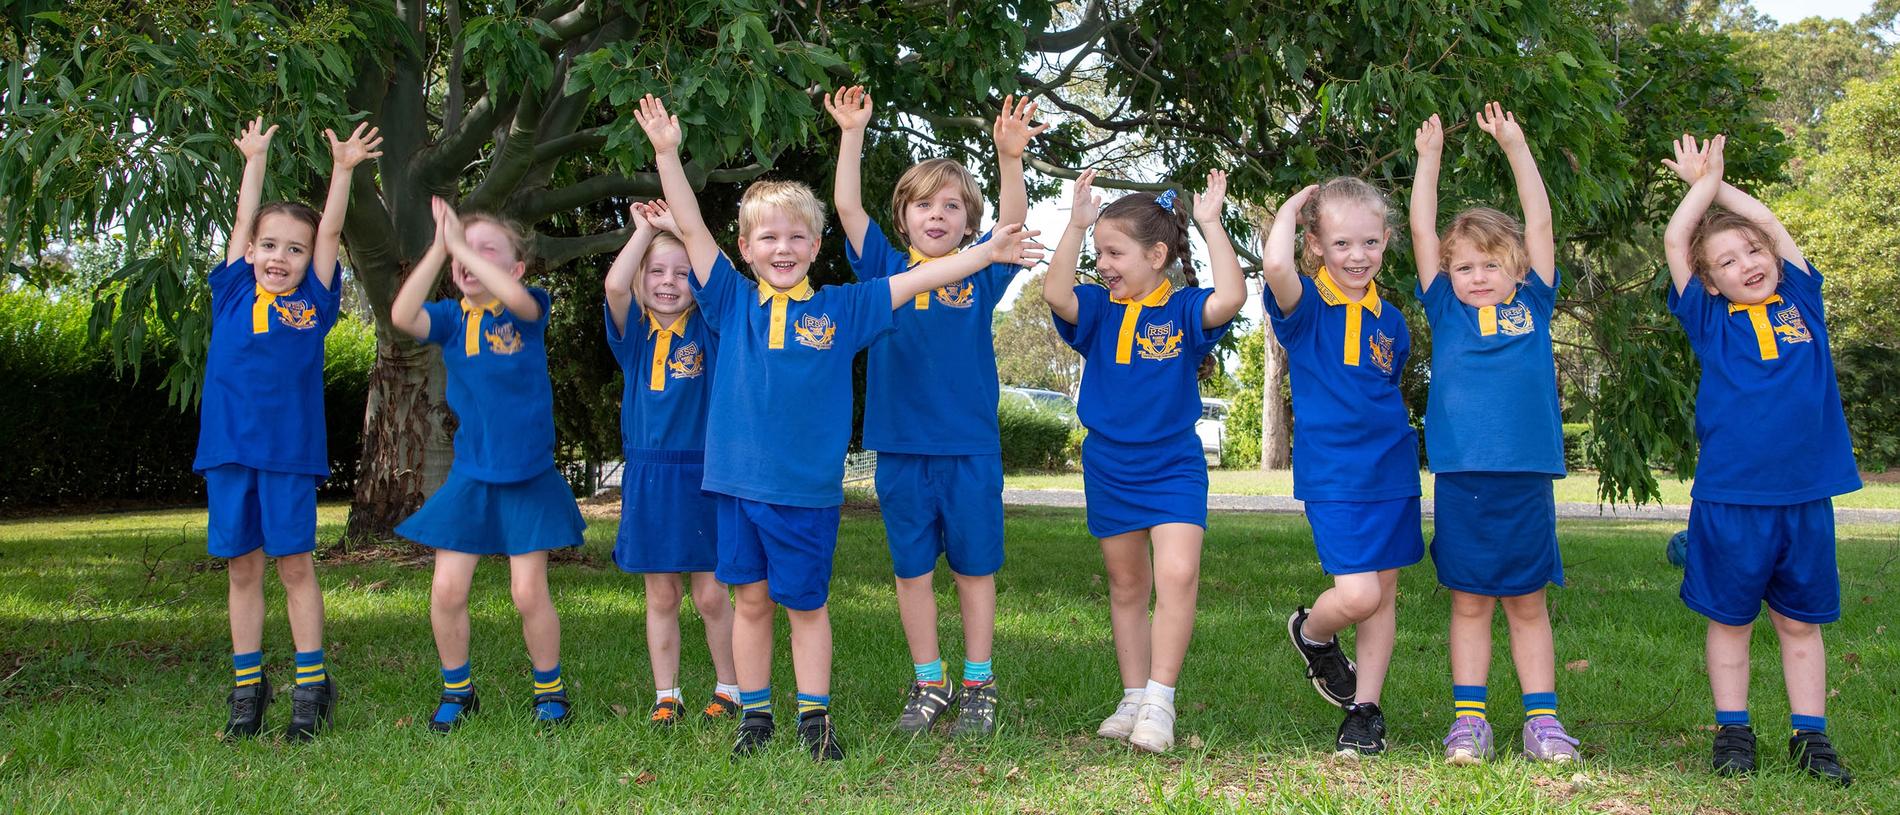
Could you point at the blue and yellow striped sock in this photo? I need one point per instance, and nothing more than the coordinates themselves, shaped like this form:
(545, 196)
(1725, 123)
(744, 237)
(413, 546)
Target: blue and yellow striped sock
(1469, 700)
(928, 672)
(247, 669)
(545, 682)
(1540, 704)
(812, 704)
(1724, 718)
(310, 669)
(455, 682)
(756, 701)
(1808, 724)
(977, 673)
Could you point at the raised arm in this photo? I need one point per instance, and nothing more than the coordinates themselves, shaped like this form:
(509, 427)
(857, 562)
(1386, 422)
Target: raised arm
(1278, 262)
(1540, 238)
(1733, 199)
(1010, 243)
(1015, 126)
(344, 156)
(1703, 166)
(406, 312)
(254, 143)
(1430, 141)
(851, 109)
(1230, 288)
(1058, 284)
(624, 275)
(664, 131)
(497, 280)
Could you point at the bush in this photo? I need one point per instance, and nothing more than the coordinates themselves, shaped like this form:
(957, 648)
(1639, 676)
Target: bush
(1870, 390)
(1032, 440)
(1576, 437)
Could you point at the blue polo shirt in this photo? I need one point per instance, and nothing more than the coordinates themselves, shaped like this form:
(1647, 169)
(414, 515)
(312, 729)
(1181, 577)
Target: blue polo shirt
(1493, 405)
(1352, 438)
(262, 403)
(1768, 412)
(931, 385)
(668, 371)
(1140, 382)
(498, 387)
(781, 391)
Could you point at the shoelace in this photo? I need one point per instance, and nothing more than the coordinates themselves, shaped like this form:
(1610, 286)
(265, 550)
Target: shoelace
(1545, 729)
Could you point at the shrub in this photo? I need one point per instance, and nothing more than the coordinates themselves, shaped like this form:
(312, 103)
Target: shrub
(1032, 440)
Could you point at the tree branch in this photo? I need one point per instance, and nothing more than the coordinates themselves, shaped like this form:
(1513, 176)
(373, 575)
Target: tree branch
(535, 206)
(514, 157)
(1090, 29)
(458, 92)
(593, 138)
(553, 251)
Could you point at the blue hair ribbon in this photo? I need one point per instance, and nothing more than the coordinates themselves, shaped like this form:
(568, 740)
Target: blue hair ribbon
(1166, 200)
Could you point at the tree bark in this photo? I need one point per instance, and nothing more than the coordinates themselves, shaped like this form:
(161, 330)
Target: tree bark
(1276, 443)
(407, 429)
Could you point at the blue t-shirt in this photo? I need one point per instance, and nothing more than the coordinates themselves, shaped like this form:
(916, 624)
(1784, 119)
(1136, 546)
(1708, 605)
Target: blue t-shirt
(1768, 412)
(498, 387)
(1352, 438)
(262, 404)
(668, 373)
(1140, 377)
(931, 386)
(1493, 405)
(781, 394)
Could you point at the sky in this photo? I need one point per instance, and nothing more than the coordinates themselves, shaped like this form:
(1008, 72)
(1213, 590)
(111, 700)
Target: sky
(1788, 11)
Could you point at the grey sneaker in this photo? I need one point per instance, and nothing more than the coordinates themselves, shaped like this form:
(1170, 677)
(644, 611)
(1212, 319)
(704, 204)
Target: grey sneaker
(976, 710)
(1545, 740)
(926, 702)
(1469, 742)
(1122, 722)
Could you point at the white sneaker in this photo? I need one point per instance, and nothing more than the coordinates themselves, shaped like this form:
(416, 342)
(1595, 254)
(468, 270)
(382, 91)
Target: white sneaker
(1154, 725)
(1122, 722)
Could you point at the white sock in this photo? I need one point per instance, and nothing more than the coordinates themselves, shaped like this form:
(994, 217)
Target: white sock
(1133, 694)
(1166, 692)
(731, 691)
(1309, 640)
(661, 695)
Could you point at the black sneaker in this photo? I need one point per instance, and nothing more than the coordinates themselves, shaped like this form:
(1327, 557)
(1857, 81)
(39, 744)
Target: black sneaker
(1362, 733)
(247, 704)
(1333, 675)
(470, 705)
(755, 729)
(927, 701)
(976, 710)
(1735, 750)
(310, 709)
(815, 729)
(1815, 755)
(667, 712)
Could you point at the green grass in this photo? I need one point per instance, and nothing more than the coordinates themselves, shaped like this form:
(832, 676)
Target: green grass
(114, 664)
(1578, 487)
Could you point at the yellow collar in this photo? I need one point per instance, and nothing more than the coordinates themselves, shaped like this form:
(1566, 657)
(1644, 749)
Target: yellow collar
(260, 309)
(1158, 297)
(677, 328)
(1131, 316)
(1737, 307)
(800, 292)
(494, 307)
(1332, 295)
(917, 257)
(1764, 331)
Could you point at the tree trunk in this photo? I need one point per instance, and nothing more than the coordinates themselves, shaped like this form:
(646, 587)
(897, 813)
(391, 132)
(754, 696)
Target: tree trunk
(407, 429)
(1276, 443)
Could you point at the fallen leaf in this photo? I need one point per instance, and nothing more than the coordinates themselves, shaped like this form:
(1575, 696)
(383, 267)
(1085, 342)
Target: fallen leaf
(1833, 692)
(405, 721)
(618, 709)
(1866, 599)
(623, 780)
(1577, 666)
(1880, 629)
(1013, 774)
(377, 586)
(643, 778)
(1579, 779)
(1851, 658)
(1195, 742)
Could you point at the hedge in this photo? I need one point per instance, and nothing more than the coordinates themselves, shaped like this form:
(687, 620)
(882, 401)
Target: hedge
(1032, 440)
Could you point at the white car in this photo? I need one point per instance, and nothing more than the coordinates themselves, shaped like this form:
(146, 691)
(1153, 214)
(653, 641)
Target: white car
(1212, 428)
(1042, 401)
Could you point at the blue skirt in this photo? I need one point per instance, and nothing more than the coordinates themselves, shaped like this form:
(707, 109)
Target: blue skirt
(1495, 534)
(666, 523)
(1130, 487)
(481, 518)
(1366, 536)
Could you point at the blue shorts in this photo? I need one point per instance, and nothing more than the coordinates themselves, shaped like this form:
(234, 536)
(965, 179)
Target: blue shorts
(1366, 536)
(1496, 533)
(1740, 555)
(942, 505)
(481, 518)
(789, 548)
(1140, 486)
(666, 523)
(252, 508)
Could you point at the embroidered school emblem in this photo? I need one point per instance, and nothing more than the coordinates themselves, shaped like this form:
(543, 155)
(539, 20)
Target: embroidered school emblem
(298, 314)
(503, 338)
(1159, 341)
(816, 331)
(957, 295)
(1516, 320)
(687, 362)
(1381, 347)
(1792, 328)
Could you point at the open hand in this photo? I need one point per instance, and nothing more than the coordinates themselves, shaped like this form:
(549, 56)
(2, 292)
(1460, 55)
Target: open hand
(255, 140)
(1015, 126)
(1430, 139)
(1086, 206)
(1501, 124)
(361, 146)
(849, 107)
(662, 129)
(1207, 205)
(1012, 244)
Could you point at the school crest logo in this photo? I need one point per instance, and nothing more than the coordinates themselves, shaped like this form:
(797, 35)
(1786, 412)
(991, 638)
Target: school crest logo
(816, 332)
(1381, 347)
(1159, 342)
(1515, 320)
(687, 362)
(298, 314)
(957, 295)
(1792, 328)
(503, 338)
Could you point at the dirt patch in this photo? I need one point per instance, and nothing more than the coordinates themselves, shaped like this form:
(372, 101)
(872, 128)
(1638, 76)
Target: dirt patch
(1888, 477)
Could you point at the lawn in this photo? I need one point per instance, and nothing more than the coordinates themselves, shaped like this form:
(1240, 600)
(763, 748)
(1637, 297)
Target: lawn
(114, 664)
(1578, 487)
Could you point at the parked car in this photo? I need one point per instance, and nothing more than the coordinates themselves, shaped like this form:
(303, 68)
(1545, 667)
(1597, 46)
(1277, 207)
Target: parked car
(1212, 428)
(1042, 401)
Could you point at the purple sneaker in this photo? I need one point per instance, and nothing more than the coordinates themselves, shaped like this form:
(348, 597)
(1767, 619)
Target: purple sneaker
(1545, 740)
(1469, 742)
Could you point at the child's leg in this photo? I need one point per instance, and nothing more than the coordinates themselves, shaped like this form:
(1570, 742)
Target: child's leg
(714, 604)
(1177, 581)
(1130, 582)
(448, 605)
(753, 611)
(811, 651)
(540, 626)
(1352, 599)
(1728, 665)
(976, 596)
(1374, 637)
(303, 599)
(1803, 666)
(246, 573)
(917, 608)
(663, 628)
(1471, 637)
(1532, 649)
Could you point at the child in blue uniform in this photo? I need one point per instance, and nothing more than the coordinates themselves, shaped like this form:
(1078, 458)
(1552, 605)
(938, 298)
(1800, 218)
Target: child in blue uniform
(1355, 455)
(782, 395)
(667, 525)
(1774, 452)
(1144, 475)
(1494, 436)
(503, 495)
(261, 439)
(930, 403)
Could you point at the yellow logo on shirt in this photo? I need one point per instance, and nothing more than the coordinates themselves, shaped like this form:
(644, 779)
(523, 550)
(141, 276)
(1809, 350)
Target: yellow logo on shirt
(957, 295)
(298, 314)
(1381, 347)
(1516, 320)
(503, 339)
(816, 331)
(1159, 341)
(687, 362)
(1792, 328)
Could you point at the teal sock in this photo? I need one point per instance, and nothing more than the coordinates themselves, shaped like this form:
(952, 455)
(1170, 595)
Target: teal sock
(1540, 704)
(1724, 718)
(976, 673)
(310, 669)
(1810, 724)
(1469, 700)
(812, 704)
(247, 669)
(931, 671)
(756, 701)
